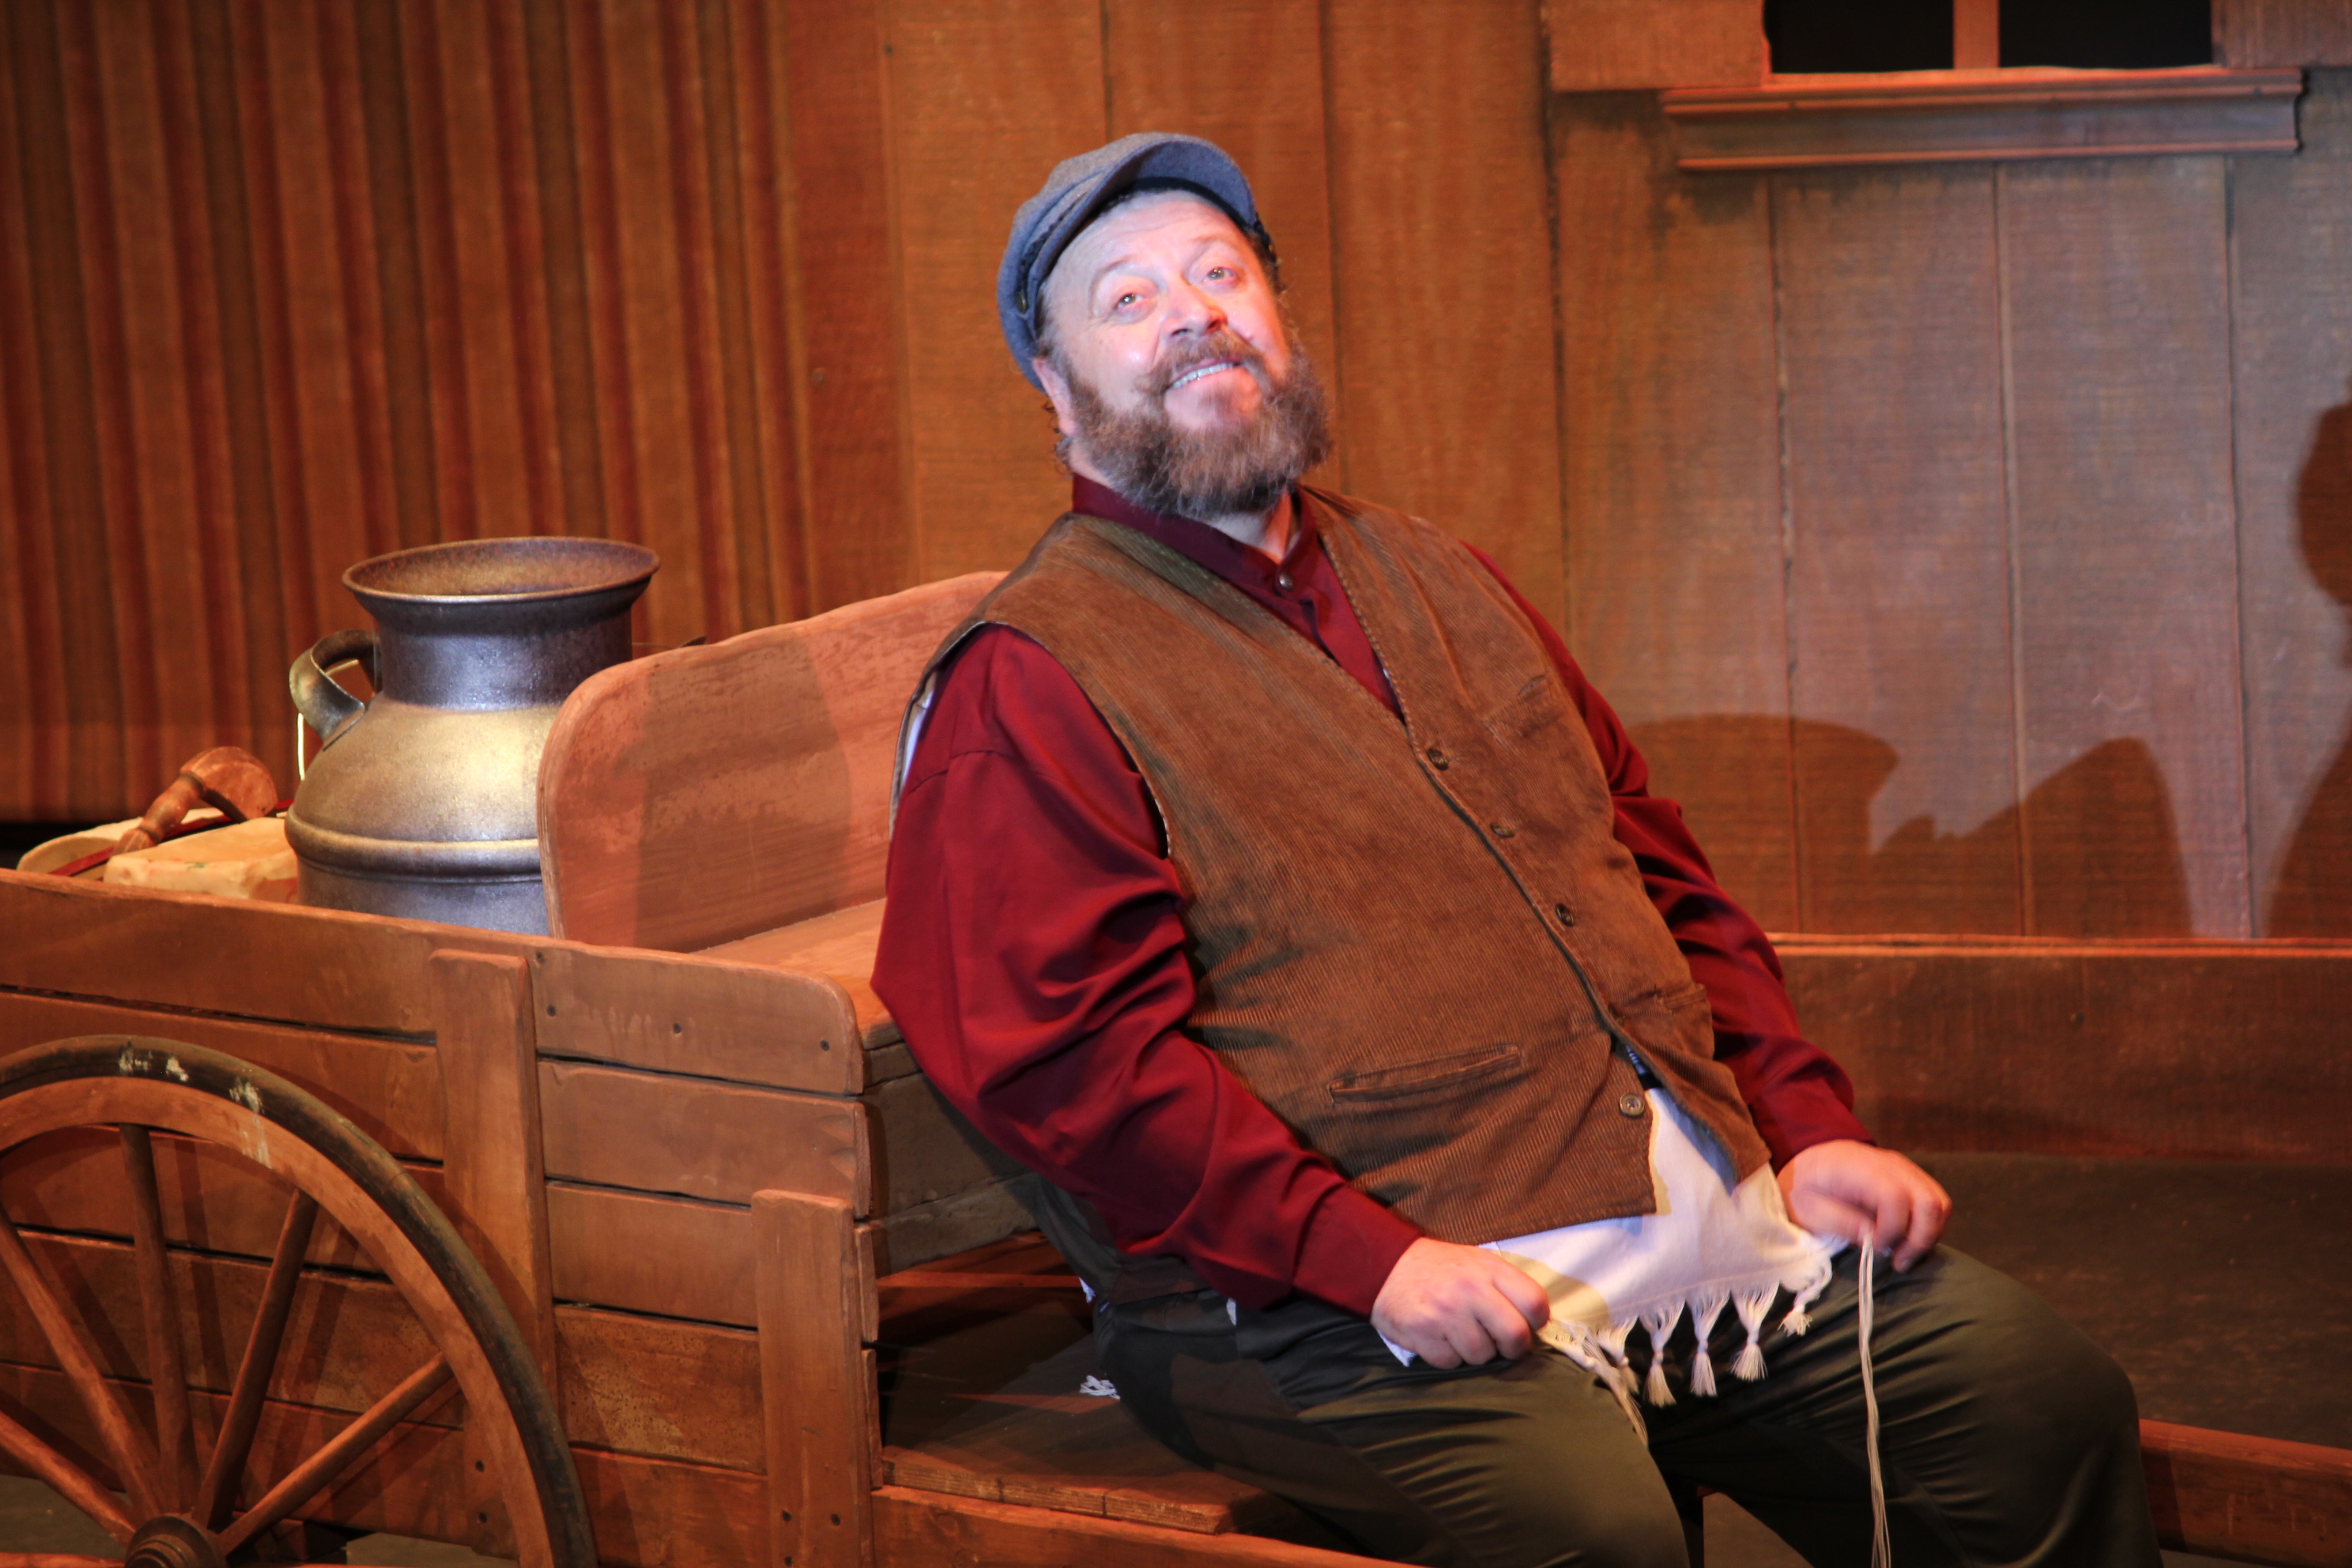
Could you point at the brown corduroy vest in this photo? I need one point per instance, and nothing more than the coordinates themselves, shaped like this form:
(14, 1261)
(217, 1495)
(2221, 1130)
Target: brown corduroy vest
(1415, 942)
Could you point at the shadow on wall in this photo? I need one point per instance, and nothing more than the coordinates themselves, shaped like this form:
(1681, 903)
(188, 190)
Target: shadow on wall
(2313, 896)
(2104, 858)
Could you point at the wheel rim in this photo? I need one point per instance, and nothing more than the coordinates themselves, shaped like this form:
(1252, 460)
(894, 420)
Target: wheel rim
(136, 1083)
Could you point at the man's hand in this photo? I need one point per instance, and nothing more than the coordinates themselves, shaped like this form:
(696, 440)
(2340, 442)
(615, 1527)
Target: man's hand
(1450, 1304)
(1843, 1188)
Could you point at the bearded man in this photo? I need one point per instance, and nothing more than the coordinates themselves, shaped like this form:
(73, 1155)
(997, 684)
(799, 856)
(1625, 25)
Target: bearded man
(1435, 1135)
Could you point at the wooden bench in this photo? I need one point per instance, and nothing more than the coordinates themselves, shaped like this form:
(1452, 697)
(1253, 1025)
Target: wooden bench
(732, 801)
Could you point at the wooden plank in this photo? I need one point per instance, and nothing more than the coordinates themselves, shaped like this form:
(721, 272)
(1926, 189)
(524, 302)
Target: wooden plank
(1249, 76)
(213, 1199)
(1898, 579)
(1611, 45)
(321, 967)
(984, 482)
(2158, 1051)
(2291, 338)
(839, 946)
(851, 361)
(915, 1529)
(814, 1380)
(700, 1138)
(1976, 35)
(2282, 33)
(685, 1014)
(687, 1391)
(2116, 299)
(709, 793)
(1447, 366)
(653, 1513)
(1670, 418)
(1907, 118)
(637, 1252)
(925, 1153)
(494, 1175)
(2253, 1499)
(390, 1090)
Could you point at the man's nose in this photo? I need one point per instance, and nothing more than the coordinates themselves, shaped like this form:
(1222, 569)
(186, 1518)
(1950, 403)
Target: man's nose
(1190, 310)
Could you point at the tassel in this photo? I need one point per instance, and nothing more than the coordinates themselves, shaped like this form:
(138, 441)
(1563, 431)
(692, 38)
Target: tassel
(1798, 1320)
(1705, 1308)
(1660, 1321)
(1751, 1306)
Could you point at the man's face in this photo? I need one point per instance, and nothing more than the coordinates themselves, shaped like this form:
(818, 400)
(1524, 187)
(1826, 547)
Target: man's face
(1173, 375)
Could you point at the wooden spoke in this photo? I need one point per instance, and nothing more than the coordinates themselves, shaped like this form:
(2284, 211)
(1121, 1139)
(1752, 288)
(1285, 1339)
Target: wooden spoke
(305, 1479)
(76, 1485)
(166, 1373)
(253, 1373)
(63, 1327)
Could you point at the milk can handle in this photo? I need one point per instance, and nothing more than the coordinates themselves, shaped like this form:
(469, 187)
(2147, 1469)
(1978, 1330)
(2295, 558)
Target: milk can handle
(327, 706)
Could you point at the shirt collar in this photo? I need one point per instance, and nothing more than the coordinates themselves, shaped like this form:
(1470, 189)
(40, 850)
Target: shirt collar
(1200, 543)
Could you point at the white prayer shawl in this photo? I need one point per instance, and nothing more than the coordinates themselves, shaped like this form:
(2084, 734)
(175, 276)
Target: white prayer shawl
(1713, 1243)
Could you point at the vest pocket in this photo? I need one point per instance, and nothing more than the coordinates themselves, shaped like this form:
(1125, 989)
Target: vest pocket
(1437, 1075)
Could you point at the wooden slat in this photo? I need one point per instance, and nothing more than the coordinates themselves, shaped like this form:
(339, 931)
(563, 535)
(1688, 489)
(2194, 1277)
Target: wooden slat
(2291, 338)
(2282, 33)
(814, 1379)
(700, 1138)
(839, 946)
(1447, 365)
(2197, 1050)
(494, 1175)
(852, 359)
(213, 1199)
(1898, 587)
(2252, 1499)
(2116, 282)
(693, 1015)
(984, 484)
(702, 795)
(1665, 292)
(1608, 46)
(638, 1252)
(660, 1388)
(1248, 76)
(652, 1514)
(390, 1089)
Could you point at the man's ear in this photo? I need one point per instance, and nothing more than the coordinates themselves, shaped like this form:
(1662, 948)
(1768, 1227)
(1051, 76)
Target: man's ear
(1057, 391)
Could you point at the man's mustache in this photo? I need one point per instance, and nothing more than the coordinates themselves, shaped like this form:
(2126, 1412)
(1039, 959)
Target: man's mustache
(1218, 347)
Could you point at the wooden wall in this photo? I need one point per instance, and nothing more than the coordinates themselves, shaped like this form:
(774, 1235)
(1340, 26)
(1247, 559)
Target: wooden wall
(1969, 547)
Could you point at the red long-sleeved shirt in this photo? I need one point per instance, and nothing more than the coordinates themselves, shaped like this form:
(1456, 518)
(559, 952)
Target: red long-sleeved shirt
(1034, 954)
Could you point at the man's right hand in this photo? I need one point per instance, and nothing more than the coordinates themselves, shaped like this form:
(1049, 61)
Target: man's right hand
(1451, 1304)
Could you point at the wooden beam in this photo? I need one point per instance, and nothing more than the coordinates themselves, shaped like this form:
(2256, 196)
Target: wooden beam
(817, 1381)
(2249, 1499)
(1976, 35)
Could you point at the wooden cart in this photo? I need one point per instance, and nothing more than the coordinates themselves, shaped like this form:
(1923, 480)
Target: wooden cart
(645, 1243)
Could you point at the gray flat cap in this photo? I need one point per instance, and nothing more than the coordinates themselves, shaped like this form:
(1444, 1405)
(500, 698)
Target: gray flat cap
(1077, 190)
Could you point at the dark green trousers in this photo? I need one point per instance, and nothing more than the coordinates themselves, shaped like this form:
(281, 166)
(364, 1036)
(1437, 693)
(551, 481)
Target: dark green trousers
(2006, 1437)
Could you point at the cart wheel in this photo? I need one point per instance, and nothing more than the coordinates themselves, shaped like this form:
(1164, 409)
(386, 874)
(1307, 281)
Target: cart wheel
(178, 1516)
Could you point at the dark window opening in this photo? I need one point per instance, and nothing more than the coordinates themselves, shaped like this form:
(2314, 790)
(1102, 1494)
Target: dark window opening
(2107, 35)
(1846, 36)
(1809, 36)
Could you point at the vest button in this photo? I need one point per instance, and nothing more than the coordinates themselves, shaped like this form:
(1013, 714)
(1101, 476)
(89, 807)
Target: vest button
(1282, 581)
(1630, 1104)
(1439, 760)
(1501, 829)
(1562, 912)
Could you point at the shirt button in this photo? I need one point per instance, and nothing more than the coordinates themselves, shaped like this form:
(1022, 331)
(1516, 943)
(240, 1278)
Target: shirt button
(1282, 581)
(1439, 760)
(1562, 912)
(1501, 829)
(1630, 1104)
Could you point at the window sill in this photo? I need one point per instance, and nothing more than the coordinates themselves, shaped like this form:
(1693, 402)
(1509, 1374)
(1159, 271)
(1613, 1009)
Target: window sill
(1943, 117)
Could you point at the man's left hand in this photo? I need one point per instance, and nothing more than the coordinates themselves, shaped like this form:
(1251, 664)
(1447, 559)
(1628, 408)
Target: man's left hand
(1846, 1188)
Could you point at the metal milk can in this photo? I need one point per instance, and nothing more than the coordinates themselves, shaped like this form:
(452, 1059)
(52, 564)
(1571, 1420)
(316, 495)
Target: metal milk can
(423, 801)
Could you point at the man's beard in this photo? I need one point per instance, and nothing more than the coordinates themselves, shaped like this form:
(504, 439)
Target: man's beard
(1212, 473)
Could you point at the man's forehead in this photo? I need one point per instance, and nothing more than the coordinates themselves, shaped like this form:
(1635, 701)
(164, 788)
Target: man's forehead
(1109, 240)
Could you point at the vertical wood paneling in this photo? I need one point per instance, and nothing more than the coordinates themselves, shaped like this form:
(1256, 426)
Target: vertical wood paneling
(1249, 76)
(2291, 223)
(1898, 588)
(1611, 45)
(1028, 80)
(2282, 33)
(1448, 370)
(2118, 298)
(1671, 447)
